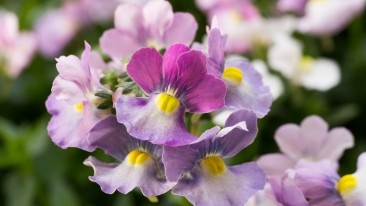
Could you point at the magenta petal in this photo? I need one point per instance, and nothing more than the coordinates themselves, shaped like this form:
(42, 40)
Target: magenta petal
(192, 69)
(182, 30)
(118, 44)
(216, 45)
(210, 89)
(144, 121)
(170, 66)
(145, 68)
(275, 164)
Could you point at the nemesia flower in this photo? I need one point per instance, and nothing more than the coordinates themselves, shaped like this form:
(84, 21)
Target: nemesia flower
(286, 191)
(310, 140)
(286, 57)
(72, 102)
(203, 178)
(320, 16)
(140, 161)
(16, 48)
(244, 83)
(175, 83)
(296, 6)
(151, 25)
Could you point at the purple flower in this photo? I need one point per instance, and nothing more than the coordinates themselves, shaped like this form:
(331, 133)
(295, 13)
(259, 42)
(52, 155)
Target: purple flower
(140, 161)
(175, 83)
(245, 87)
(16, 48)
(152, 25)
(203, 178)
(312, 140)
(72, 102)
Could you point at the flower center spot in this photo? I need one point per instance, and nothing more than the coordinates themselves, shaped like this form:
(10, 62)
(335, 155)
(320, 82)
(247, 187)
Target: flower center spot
(167, 103)
(214, 164)
(79, 107)
(233, 75)
(137, 157)
(347, 183)
(306, 63)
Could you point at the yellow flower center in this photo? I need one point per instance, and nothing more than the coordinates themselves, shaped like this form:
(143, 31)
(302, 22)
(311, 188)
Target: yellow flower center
(137, 157)
(235, 16)
(306, 63)
(233, 75)
(79, 107)
(167, 103)
(214, 164)
(347, 183)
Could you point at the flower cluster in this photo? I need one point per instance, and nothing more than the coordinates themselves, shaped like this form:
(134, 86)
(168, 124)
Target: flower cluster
(305, 173)
(143, 112)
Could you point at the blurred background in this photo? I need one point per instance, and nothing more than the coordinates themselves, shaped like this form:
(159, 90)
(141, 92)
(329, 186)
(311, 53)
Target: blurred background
(33, 171)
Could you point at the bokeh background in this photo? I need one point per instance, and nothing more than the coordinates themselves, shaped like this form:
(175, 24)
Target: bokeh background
(33, 171)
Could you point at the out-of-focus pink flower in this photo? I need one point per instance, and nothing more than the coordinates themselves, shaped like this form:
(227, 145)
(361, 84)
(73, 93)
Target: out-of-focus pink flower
(16, 49)
(296, 6)
(152, 25)
(54, 30)
(327, 17)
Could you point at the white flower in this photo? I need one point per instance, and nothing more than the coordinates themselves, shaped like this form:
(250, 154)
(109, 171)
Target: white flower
(286, 57)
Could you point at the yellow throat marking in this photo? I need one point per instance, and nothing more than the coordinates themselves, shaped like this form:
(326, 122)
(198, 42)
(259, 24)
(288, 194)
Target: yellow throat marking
(233, 74)
(346, 184)
(79, 107)
(214, 164)
(137, 157)
(167, 103)
(306, 63)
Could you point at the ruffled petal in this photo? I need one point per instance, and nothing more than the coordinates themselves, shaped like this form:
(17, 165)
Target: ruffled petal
(124, 177)
(178, 160)
(233, 188)
(182, 30)
(170, 66)
(145, 68)
(338, 140)
(275, 164)
(210, 89)
(144, 121)
(118, 44)
(67, 91)
(238, 138)
(216, 45)
(251, 94)
(112, 137)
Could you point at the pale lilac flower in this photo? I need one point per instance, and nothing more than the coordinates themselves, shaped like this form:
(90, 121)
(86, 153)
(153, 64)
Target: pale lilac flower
(286, 57)
(327, 17)
(296, 6)
(203, 178)
(72, 102)
(139, 164)
(151, 25)
(321, 184)
(16, 48)
(245, 87)
(312, 140)
(174, 83)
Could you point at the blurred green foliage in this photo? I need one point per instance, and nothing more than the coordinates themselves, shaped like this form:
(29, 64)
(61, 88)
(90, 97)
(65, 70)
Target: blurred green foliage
(33, 171)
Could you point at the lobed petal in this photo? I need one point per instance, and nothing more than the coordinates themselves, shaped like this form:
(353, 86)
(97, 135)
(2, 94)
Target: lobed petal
(170, 66)
(182, 30)
(275, 164)
(128, 18)
(145, 68)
